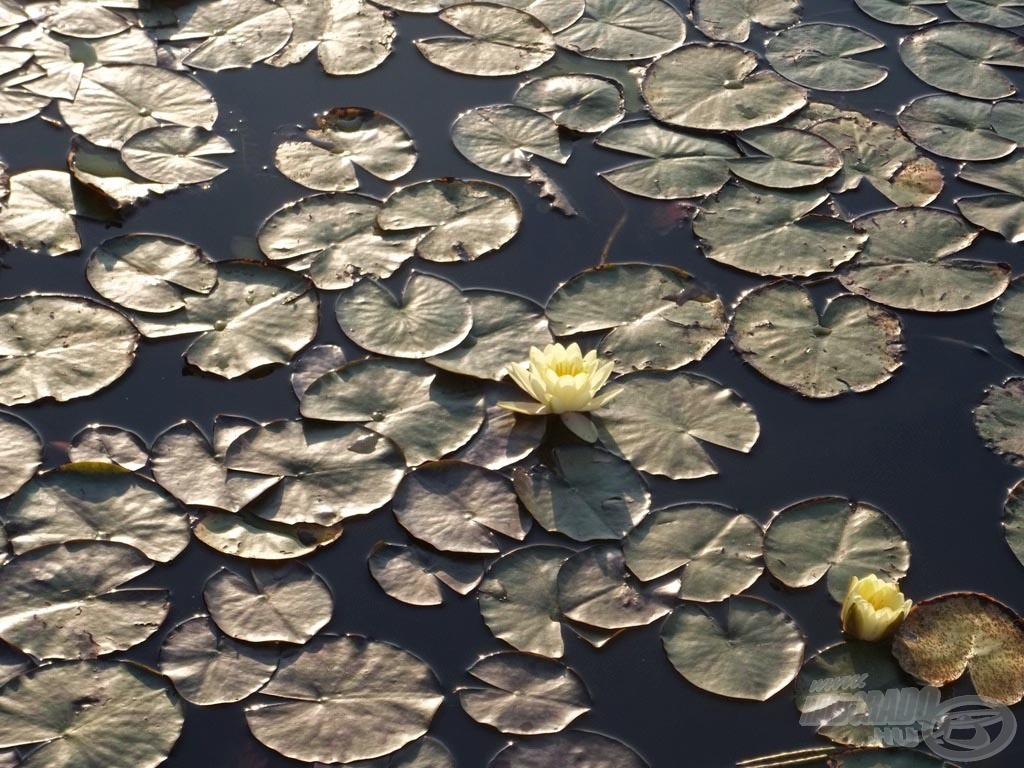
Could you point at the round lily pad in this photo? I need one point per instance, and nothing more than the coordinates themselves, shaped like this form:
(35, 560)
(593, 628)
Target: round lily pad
(999, 419)
(624, 30)
(523, 694)
(1009, 317)
(504, 437)
(37, 214)
(581, 749)
(785, 158)
(21, 453)
(581, 103)
(235, 33)
(718, 548)
(414, 574)
(909, 262)
(584, 493)
(964, 58)
(430, 317)
(837, 537)
(107, 444)
(505, 138)
(131, 720)
(174, 154)
(283, 604)
(661, 420)
(905, 12)
(1013, 520)
(731, 20)
(755, 654)
(821, 56)
(995, 13)
(716, 87)
(955, 127)
(252, 537)
(853, 346)
(946, 636)
(372, 699)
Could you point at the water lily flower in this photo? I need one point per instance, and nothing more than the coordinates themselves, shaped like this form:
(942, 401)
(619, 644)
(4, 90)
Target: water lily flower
(563, 381)
(873, 609)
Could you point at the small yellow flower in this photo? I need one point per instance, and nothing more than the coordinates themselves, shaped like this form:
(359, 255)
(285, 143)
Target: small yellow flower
(873, 609)
(561, 380)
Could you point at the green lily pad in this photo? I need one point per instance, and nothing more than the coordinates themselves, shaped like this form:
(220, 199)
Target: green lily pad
(678, 164)
(431, 317)
(466, 219)
(371, 700)
(312, 363)
(584, 493)
(581, 749)
(754, 655)
(505, 138)
(784, 158)
(821, 56)
(110, 445)
(1009, 317)
(656, 316)
(955, 127)
(64, 601)
(718, 548)
(946, 636)
(904, 12)
(731, 20)
(965, 59)
(519, 599)
(581, 103)
(774, 233)
(457, 507)
(1003, 213)
(661, 421)
(425, 752)
(273, 604)
(246, 535)
(837, 537)
(209, 668)
(995, 13)
(624, 30)
(426, 412)
(909, 262)
(414, 574)
(499, 41)
(1013, 520)
(504, 437)
(523, 694)
(999, 419)
(132, 719)
(716, 87)
(853, 346)
(21, 453)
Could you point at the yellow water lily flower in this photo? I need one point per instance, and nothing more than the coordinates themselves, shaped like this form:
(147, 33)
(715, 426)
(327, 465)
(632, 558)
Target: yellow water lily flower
(561, 380)
(873, 609)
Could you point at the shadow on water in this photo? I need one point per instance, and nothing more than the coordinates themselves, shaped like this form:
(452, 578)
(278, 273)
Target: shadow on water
(908, 447)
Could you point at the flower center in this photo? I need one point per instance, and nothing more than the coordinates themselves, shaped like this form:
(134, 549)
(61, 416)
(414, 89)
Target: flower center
(568, 368)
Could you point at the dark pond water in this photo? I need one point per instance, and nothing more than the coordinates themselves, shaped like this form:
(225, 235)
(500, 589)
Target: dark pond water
(908, 447)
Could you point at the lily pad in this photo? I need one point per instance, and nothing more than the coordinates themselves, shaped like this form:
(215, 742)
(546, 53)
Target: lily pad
(580, 103)
(457, 507)
(372, 699)
(1002, 213)
(904, 12)
(335, 240)
(785, 159)
(282, 604)
(774, 233)
(505, 437)
(523, 694)
(716, 87)
(678, 164)
(107, 444)
(64, 602)
(499, 41)
(837, 537)
(1013, 520)
(955, 127)
(255, 316)
(431, 317)
(505, 138)
(583, 493)
(132, 720)
(149, 273)
(657, 316)
(719, 549)
(999, 419)
(346, 138)
(175, 154)
(232, 33)
(466, 219)
(427, 413)
(821, 56)
(208, 668)
(731, 20)
(582, 749)
(853, 346)
(188, 466)
(21, 453)
(949, 635)
(37, 213)
(414, 574)
(96, 501)
(909, 262)
(519, 599)
(754, 655)
(425, 752)
(312, 363)
(662, 420)
(624, 30)
(504, 327)
(101, 169)
(116, 101)
(995, 13)
(328, 472)
(252, 537)
(1009, 317)
(964, 58)
(596, 589)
